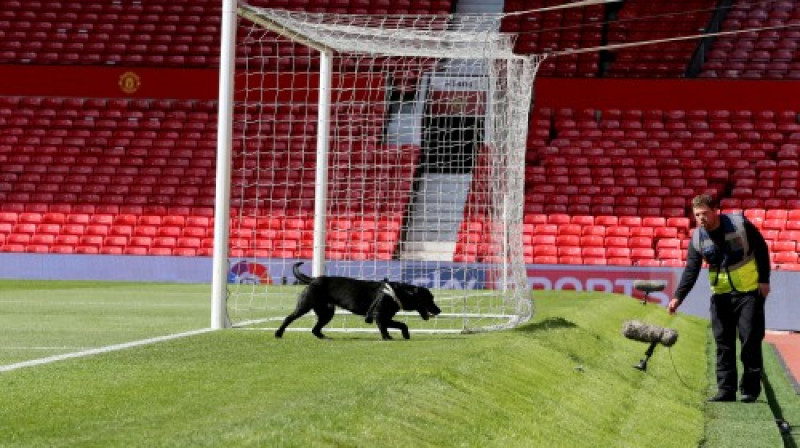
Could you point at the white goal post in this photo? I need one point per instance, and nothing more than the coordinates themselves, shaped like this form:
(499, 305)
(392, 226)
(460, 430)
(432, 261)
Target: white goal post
(373, 147)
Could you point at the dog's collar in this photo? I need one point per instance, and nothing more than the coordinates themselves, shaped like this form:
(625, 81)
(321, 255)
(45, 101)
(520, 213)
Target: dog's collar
(389, 291)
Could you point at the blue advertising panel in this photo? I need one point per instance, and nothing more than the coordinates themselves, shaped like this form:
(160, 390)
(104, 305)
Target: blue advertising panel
(436, 276)
(782, 312)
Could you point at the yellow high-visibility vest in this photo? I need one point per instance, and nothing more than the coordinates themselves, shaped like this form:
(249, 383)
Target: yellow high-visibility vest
(737, 269)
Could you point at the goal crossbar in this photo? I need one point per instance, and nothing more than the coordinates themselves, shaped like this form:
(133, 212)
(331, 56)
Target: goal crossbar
(394, 35)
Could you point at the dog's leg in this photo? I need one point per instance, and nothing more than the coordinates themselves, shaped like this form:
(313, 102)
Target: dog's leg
(303, 306)
(400, 326)
(324, 313)
(289, 319)
(384, 325)
(384, 331)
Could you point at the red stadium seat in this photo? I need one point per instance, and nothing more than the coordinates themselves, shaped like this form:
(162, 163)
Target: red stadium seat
(592, 241)
(654, 221)
(160, 251)
(669, 254)
(606, 220)
(788, 235)
(784, 257)
(570, 229)
(784, 246)
(640, 241)
(593, 252)
(777, 224)
(665, 232)
(668, 243)
(541, 250)
(547, 259)
(567, 240)
(642, 231)
(630, 221)
(558, 219)
(617, 252)
(642, 253)
(619, 261)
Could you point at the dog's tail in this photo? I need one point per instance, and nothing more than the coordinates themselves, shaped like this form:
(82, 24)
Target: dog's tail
(303, 278)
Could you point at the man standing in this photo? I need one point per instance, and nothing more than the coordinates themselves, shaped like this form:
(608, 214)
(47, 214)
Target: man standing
(739, 268)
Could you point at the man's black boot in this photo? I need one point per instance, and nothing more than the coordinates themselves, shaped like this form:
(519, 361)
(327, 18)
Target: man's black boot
(747, 398)
(723, 396)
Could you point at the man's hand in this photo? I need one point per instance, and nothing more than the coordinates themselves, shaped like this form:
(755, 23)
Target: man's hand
(763, 289)
(674, 304)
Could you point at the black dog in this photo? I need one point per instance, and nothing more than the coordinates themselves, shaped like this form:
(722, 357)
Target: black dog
(378, 301)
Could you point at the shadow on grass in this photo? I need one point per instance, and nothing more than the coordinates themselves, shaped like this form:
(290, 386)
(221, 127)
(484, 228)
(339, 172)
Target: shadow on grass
(550, 323)
(777, 412)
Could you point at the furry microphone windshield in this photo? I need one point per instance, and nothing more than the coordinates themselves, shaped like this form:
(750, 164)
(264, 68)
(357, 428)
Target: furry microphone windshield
(644, 332)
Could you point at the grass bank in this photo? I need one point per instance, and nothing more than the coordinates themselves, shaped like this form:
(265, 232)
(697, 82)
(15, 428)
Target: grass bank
(563, 380)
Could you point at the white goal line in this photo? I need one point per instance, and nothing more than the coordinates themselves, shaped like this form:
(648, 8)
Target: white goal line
(100, 350)
(365, 330)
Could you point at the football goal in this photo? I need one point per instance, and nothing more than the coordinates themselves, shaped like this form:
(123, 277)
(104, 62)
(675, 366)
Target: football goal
(372, 147)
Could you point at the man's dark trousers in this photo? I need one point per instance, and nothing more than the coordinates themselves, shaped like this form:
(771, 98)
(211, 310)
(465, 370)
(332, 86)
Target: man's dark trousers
(745, 312)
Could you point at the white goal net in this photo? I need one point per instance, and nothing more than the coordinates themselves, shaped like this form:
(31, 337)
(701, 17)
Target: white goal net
(379, 148)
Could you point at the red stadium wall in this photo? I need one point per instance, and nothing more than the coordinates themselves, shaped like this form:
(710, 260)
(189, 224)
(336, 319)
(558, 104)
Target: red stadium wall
(181, 84)
(201, 84)
(108, 82)
(667, 94)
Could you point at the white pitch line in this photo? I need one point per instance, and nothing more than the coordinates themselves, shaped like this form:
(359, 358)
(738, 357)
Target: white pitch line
(117, 304)
(100, 350)
(43, 348)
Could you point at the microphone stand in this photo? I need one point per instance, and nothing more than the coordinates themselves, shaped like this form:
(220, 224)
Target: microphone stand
(643, 362)
(648, 286)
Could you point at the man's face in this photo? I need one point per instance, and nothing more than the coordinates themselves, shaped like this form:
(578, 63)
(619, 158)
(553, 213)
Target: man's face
(706, 218)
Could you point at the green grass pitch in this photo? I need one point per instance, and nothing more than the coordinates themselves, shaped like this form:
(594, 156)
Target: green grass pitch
(562, 380)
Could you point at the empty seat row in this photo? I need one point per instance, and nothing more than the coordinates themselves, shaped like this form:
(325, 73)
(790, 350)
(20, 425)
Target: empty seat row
(568, 213)
(556, 30)
(152, 34)
(94, 174)
(764, 54)
(187, 235)
(642, 20)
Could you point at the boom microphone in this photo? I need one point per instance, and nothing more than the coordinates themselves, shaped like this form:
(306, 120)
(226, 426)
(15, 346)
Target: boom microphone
(643, 332)
(652, 334)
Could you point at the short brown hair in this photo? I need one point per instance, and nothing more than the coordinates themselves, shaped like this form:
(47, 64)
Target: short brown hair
(704, 200)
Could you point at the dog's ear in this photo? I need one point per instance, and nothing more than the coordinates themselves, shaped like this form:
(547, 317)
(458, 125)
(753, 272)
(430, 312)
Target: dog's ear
(406, 290)
(400, 288)
(421, 291)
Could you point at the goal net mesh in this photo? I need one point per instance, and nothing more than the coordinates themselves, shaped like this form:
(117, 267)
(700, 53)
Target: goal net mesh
(423, 171)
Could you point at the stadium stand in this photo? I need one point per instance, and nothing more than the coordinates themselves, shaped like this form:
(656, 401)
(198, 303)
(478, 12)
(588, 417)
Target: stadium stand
(157, 33)
(768, 54)
(108, 171)
(765, 54)
(641, 20)
(557, 29)
(644, 167)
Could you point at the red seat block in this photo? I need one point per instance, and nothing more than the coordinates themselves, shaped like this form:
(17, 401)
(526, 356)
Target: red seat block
(592, 241)
(617, 252)
(640, 241)
(784, 257)
(593, 252)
